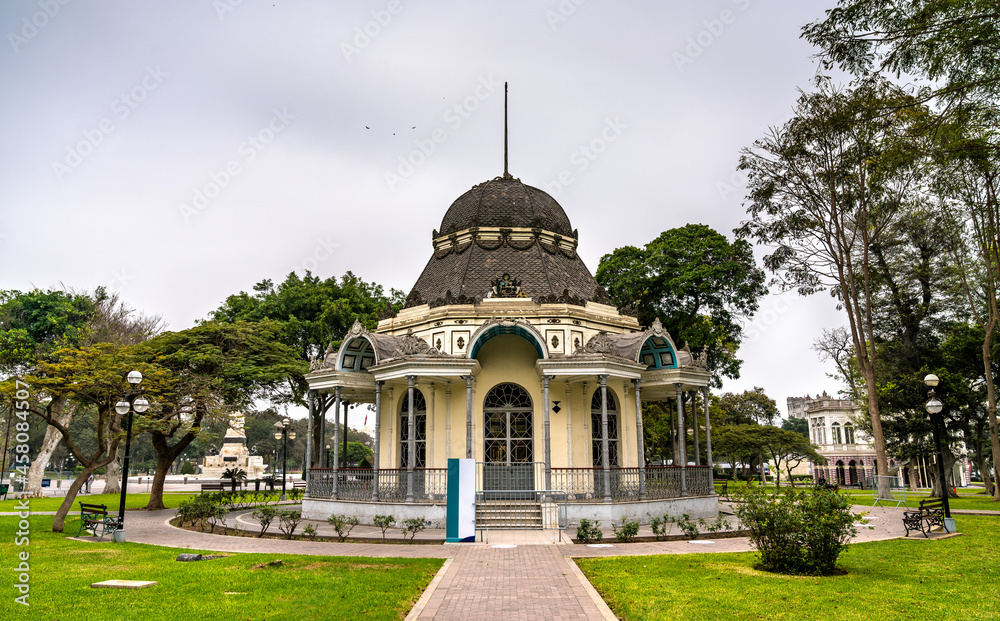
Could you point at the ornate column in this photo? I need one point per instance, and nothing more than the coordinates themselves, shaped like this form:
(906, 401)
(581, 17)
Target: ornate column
(569, 423)
(411, 438)
(468, 417)
(447, 421)
(336, 435)
(320, 449)
(604, 437)
(347, 406)
(694, 423)
(546, 436)
(310, 419)
(430, 428)
(639, 445)
(708, 435)
(681, 448)
(378, 439)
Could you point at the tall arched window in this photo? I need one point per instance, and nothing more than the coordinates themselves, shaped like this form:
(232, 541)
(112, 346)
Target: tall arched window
(595, 426)
(837, 439)
(507, 425)
(419, 426)
(848, 433)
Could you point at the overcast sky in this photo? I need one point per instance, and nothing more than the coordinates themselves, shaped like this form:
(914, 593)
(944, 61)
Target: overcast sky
(181, 152)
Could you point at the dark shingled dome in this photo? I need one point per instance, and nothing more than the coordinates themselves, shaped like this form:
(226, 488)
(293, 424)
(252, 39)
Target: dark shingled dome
(506, 202)
(464, 273)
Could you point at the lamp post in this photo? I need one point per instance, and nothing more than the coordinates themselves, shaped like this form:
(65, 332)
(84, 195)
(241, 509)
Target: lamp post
(327, 455)
(133, 401)
(283, 434)
(934, 407)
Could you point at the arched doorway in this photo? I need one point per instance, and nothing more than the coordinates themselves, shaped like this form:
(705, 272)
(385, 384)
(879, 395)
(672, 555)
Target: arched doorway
(508, 439)
(840, 472)
(852, 471)
(419, 427)
(596, 431)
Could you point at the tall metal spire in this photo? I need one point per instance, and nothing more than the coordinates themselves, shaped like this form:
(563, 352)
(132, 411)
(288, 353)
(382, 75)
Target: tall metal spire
(506, 173)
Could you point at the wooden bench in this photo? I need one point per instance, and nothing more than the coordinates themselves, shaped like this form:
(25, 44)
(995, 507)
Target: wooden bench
(927, 516)
(217, 486)
(94, 518)
(301, 484)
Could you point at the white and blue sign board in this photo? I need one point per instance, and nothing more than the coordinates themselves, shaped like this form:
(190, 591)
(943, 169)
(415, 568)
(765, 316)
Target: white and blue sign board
(460, 524)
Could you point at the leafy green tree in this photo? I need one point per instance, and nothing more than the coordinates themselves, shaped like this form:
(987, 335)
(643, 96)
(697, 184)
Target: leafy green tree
(355, 453)
(826, 189)
(697, 282)
(214, 368)
(750, 407)
(798, 425)
(314, 315)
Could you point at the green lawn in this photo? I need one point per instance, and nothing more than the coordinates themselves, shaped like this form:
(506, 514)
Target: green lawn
(956, 578)
(969, 498)
(132, 501)
(226, 589)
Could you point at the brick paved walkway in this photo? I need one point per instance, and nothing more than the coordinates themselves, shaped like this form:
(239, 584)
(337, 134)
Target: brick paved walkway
(481, 581)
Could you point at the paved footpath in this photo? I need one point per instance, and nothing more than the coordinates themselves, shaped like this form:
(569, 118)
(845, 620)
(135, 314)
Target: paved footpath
(525, 580)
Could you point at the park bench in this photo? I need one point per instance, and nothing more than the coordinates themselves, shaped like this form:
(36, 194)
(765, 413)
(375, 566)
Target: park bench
(298, 484)
(927, 516)
(724, 492)
(217, 486)
(94, 518)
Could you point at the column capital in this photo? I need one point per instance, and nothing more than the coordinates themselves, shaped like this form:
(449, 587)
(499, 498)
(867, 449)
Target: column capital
(411, 380)
(379, 384)
(547, 378)
(336, 392)
(603, 379)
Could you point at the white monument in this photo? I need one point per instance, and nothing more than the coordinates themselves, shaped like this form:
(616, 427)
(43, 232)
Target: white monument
(234, 454)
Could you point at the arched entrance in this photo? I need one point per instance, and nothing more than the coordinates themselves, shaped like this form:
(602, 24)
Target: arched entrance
(852, 471)
(508, 442)
(596, 430)
(840, 472)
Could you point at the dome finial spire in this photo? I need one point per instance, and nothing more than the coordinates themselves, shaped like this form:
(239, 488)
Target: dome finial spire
(506, 173)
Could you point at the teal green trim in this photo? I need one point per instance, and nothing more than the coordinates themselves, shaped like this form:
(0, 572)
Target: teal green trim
(494, 331)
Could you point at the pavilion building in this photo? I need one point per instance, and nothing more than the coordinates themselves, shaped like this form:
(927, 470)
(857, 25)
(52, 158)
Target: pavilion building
(507, 351)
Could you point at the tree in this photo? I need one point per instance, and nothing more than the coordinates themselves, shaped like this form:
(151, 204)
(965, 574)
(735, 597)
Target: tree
(314, 315)
(824, 190)
(953, 46)
(215, 369)
(93, 378)
(34, 325)
(788, 447)
(798, 425)
(750, 407)
(355, 453)
(698, 283)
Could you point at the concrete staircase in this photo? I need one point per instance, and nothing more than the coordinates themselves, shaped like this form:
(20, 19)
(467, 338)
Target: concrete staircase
(508, 513)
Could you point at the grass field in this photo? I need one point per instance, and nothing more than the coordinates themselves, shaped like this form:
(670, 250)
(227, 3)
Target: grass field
(240, 586)
(132, 501)
(954, 579)
(971, 498)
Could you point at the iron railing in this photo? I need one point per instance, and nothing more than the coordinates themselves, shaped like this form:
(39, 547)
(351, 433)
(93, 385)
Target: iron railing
(519, 479)
(429, 484)
(521, 509)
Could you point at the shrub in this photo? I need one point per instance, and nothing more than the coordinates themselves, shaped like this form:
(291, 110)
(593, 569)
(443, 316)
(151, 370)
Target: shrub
(187, 468)
(798, 532)
(217, 516)
(198, 510)
(688, 526)
(384, 522)
(343, 525)
(288, 521)
(626, 531)
(413, 526)
(265, 515)
(310, 531)
(588, 531)
(662, 526)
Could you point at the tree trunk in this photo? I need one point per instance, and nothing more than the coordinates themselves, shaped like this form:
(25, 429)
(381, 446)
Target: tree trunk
(33, 483)
(112, 480)
(62, 415)
(914, 476)
(60, 518)
(156, 489)
(985, 472)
